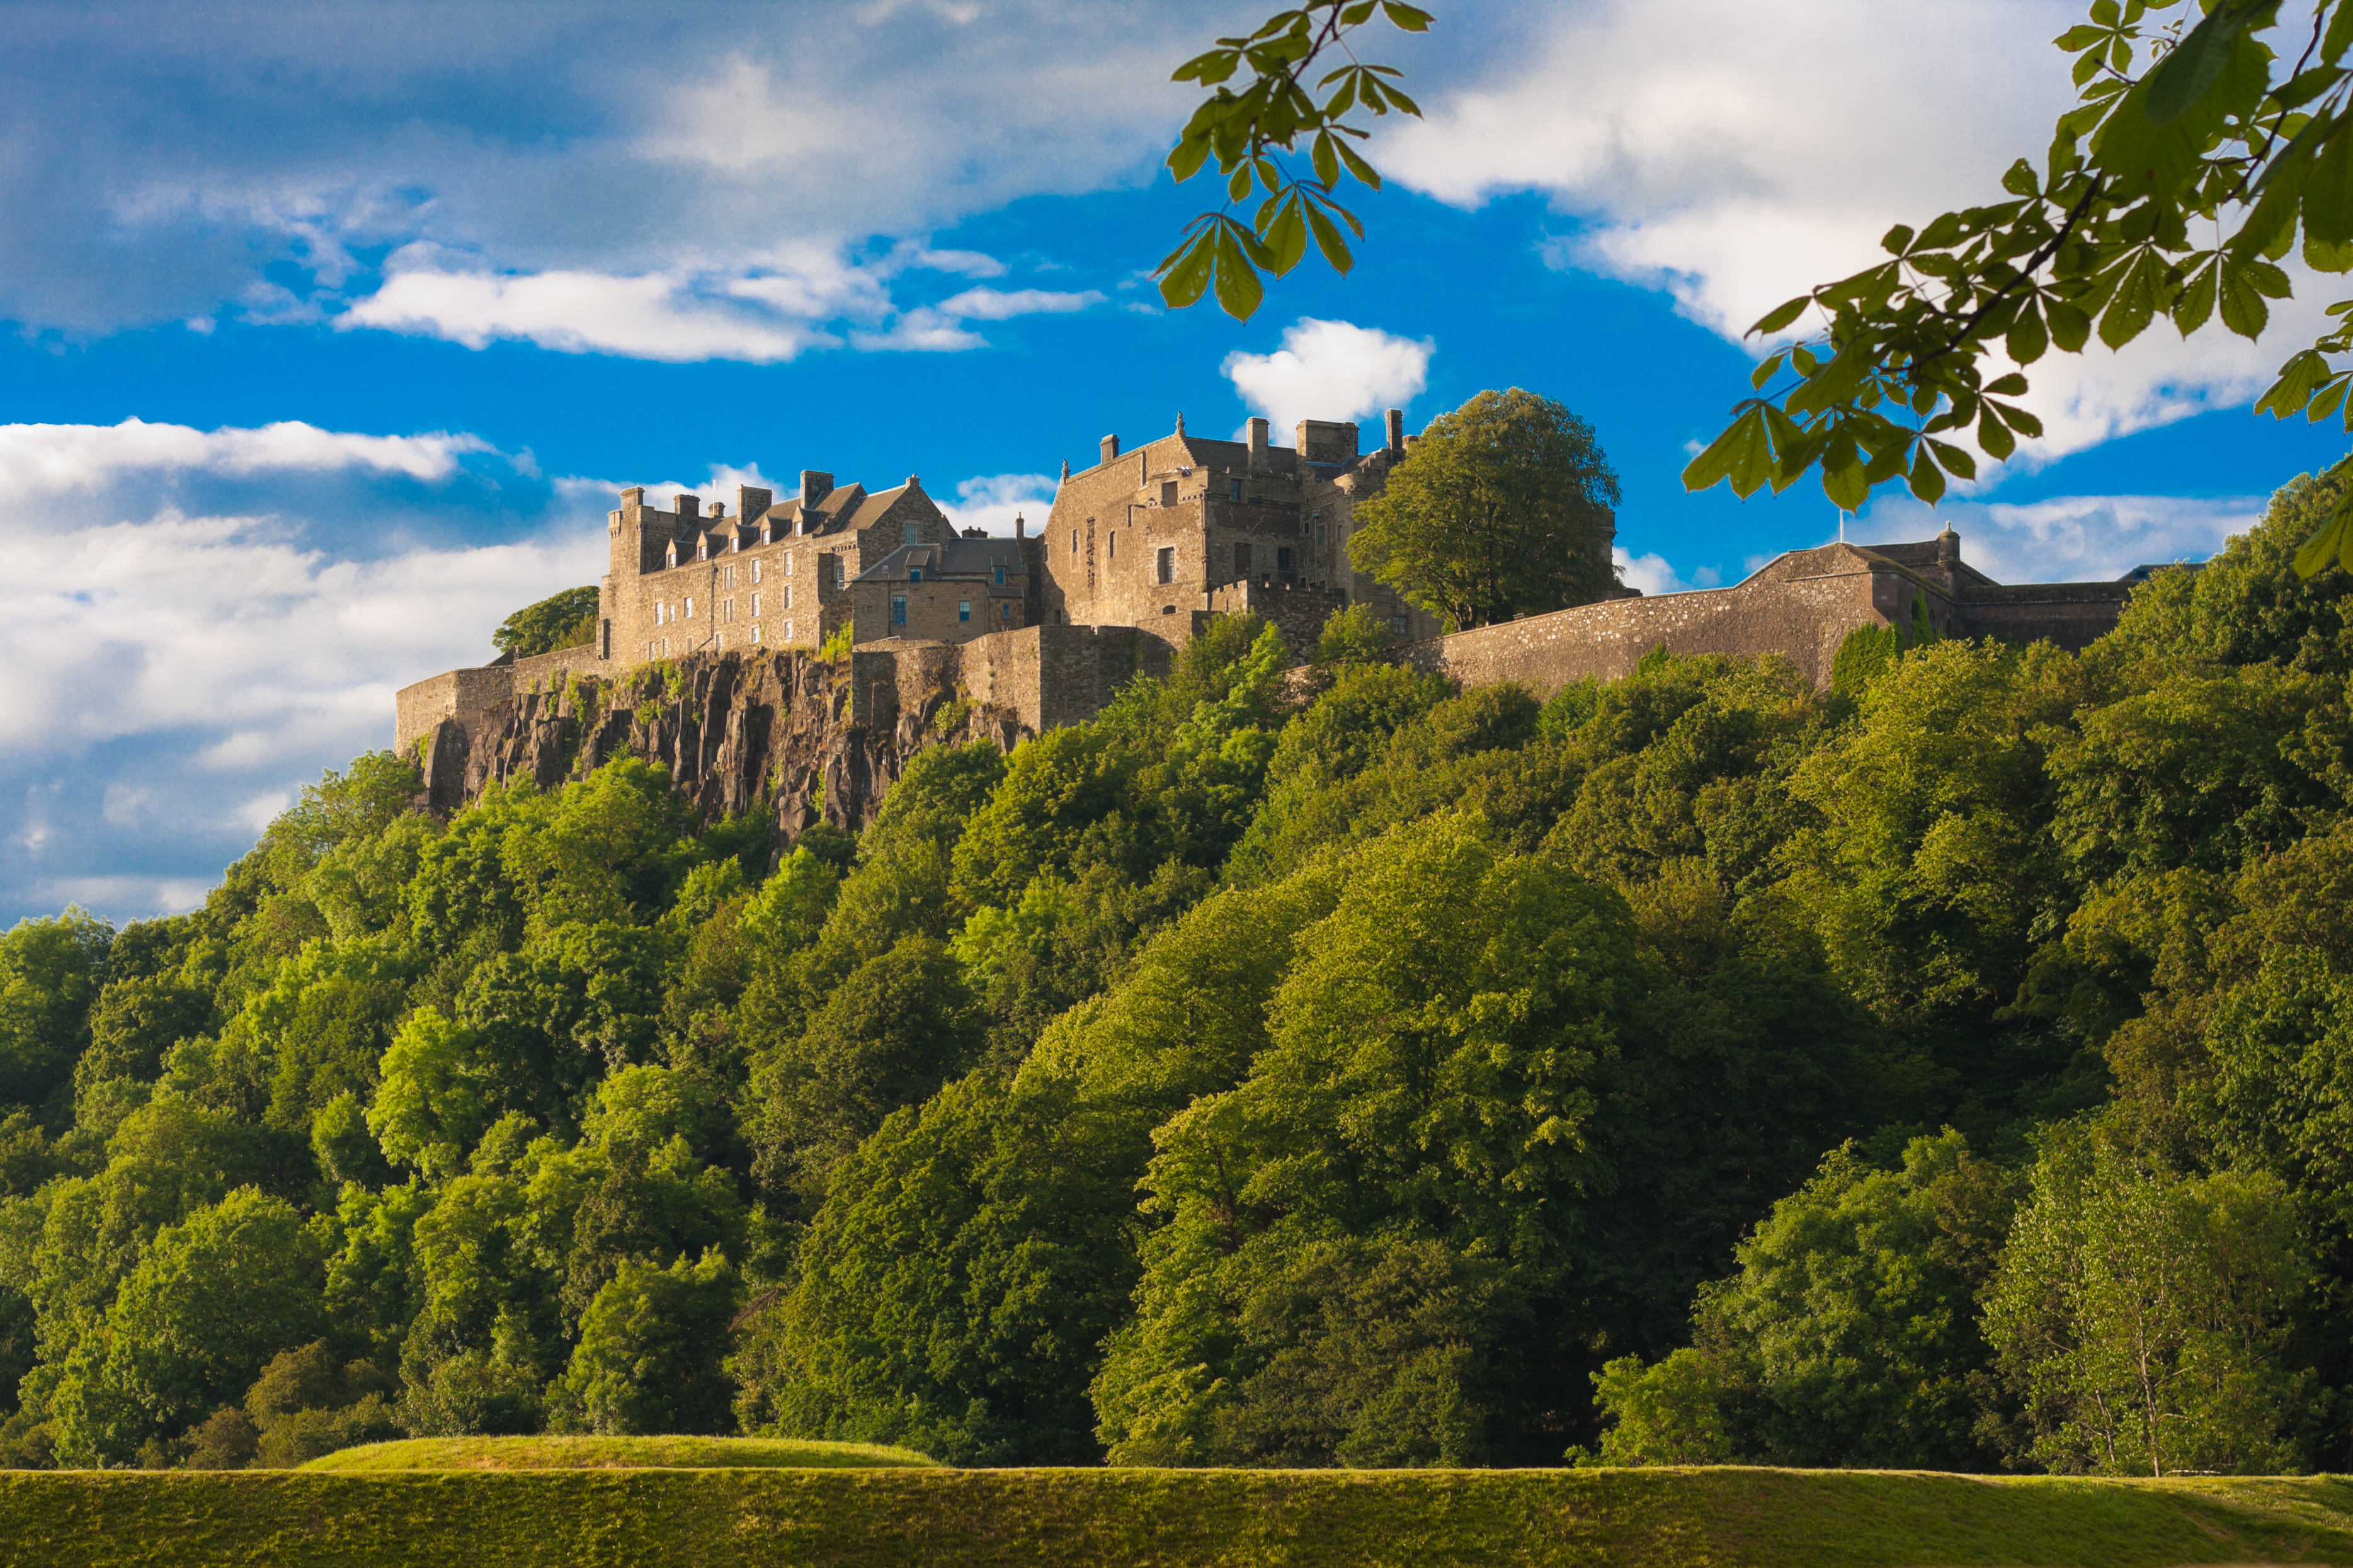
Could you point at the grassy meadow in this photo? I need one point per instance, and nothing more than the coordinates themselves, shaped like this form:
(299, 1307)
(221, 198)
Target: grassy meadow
(825, 1516)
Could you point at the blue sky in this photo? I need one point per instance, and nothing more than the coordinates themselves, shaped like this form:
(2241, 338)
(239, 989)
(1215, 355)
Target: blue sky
(339, 324)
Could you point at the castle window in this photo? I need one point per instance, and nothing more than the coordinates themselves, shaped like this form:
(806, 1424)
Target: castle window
(1241, 561)
(755, 605)
(702, 550)
(1233, 490)
(1074, 542)
(912, 536)
(734, 543)
(1284, 563)
(1318, 538)
(1166, 566)
(789, 631)
(964, 609)
(670, 556)
(1005, 610)
(914, 574)
(788, 595)
(1169, 492)
(788, 562)
(755, 569)
(727, 611)
(898, 609)
(1397, 626)
(689, 608)
(1000, 576)
(1111, 546)
(756, 634)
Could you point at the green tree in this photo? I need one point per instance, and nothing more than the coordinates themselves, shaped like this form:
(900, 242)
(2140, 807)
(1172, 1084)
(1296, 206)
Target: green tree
(2143, 1317)
(1667, 1413)
(213, 1299)
(560, 620)
(1503, 505)
(652, 1353)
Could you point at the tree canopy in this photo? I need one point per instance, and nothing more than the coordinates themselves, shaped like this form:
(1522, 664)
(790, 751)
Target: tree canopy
(560, 620)
(1505, 509)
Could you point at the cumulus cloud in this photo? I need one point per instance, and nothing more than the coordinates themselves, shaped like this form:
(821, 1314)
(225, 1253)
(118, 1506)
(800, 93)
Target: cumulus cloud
(1330, 370)
(198, 160)
(175, 673)
(2068, 539)
(991, 502)
(1697, 147)
(1653, 574)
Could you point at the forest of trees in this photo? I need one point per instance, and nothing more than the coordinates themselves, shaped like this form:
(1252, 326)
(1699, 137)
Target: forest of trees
(1954, 1069)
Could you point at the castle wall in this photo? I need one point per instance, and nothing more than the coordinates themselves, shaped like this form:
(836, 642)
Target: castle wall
(460, 694)
(1299, 614)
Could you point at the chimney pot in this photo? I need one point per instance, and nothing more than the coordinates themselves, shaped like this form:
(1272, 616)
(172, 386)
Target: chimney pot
(1110, 447)
(1396, 429)
(1020, 526)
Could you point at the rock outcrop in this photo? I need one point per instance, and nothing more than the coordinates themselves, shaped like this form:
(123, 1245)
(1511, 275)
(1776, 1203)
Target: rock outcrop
(777, 733)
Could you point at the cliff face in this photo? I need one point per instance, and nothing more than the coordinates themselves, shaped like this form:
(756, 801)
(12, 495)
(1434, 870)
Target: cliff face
(772, 733)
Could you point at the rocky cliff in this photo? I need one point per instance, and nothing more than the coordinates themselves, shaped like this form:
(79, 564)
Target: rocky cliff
(778, 734)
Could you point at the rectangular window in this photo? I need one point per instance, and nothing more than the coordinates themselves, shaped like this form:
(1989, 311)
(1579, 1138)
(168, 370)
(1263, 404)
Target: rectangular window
(755, 569)
(1000, 576)
(898, 609)
(1398, 626)
(911, 538)
(788, 562)
(788, 595)
(1318, 538)
(649, 647)
(1165, 570)
(1074, 542)
(789, 631)
(914, 574)
(756, 634)
(1241, 561)
(689, 609)
(964, 609)
(728, 572)
(1005, 611)
(1284, 563)
(755, 604)
(1233, 490)
(1111, 546)
(1169, 492)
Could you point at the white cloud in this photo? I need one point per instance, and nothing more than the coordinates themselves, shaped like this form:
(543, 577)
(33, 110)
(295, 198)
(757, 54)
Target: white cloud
(2068, 539)
(655, 317)
(124, 898)
(991, 501)
(1330, 370)
(1735, 155)
(49, 458)
(1653, 574)
(1003, 305)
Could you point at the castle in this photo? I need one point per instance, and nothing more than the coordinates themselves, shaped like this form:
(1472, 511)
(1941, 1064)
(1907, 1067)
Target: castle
(1140, 552)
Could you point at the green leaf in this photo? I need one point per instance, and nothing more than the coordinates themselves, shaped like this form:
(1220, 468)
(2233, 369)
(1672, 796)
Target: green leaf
(1846, 486)
(1954, 460)
(1928, 480)
(2328, 189)
(2305, 371)
(1239, 289)
(1741, 453)
(1286, 238)
(1896, 240)
(2331, 398)
(2186, 75)
(1781, 315)
(1765, 372)
(2196, 300)
(2020, 180)
(1327, 162)
(2324, 548)
(1406, 18)
(2082, 36)
(2327, 258)
(1995, 436)
(2133, 305)
(2069, 327)
(2017, 418)
(2011, 386)
(1186, 273)
(1238, 185)
(2340, 35)
(1356, 15)
(1364, 172)
(1328, 240)
(2244, 310)
(2028, 337)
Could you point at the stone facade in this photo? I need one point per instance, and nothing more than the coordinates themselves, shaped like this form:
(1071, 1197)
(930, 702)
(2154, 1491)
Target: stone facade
(1150, 537)
(965, 588)
(774, 576)
(1800, 606)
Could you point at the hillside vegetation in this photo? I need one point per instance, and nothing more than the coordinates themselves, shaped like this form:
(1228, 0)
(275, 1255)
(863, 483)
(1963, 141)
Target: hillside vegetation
(1083, 1519)
(1952, 1070)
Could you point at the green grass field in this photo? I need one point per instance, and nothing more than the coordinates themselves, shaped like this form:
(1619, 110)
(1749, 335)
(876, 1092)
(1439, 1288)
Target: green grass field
(613, 1454)
(820, 1517)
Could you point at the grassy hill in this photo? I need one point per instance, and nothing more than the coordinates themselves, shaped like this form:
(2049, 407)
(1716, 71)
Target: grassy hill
(613, 1454)
(1047, 1519)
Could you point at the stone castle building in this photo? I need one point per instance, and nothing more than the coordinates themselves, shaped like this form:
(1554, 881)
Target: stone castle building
(1142, 551)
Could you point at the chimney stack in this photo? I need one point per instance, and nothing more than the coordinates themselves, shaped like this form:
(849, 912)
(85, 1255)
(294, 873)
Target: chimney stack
(1110, 447)
(1257, 443)
(815, 486)
(688, 506)
(1396, 431)
(1020, 526)
(752, 504)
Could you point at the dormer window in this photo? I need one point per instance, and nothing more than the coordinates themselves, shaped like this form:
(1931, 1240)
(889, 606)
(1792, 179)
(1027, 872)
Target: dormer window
(670, 556)
(1000, 576)
(734, 542)
(702, 550)
(914, 574)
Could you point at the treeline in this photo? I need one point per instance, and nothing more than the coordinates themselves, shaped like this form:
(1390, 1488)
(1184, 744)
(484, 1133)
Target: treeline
(1954, 1069)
